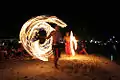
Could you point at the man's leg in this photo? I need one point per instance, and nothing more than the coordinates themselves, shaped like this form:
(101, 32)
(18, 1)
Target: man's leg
(56, 57)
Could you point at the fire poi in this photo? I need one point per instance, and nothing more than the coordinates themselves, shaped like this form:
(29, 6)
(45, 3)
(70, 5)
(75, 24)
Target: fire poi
(31, 27)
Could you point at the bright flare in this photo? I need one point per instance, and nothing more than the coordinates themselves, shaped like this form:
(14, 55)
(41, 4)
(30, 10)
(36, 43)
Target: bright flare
(27, 33)
(73, 43)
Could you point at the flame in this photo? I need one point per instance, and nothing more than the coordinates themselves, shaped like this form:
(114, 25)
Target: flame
(27, 33)
(73, 43)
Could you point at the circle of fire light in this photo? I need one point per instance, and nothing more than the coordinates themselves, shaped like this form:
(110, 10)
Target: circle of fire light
(31, 27)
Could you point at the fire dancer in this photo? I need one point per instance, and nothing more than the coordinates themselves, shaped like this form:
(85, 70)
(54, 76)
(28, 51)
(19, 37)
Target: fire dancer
(57, 37)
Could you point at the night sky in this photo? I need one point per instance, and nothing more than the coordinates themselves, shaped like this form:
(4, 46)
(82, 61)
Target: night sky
(99, 22)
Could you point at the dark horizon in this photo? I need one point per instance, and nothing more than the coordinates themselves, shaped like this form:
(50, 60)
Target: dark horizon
(98, 24)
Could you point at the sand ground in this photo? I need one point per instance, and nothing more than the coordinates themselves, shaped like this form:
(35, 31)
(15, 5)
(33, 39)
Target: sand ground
(78, 67)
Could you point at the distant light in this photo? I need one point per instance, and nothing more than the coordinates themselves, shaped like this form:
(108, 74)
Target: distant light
(105, 43)
(19, 41)
(91, 41)
(95, 41)
(110, 39)
(61, 42)
(98, 41)
(98, 44)
(111, 57)
(85, 40)
(3, 43)
(114, 47)
(113, 36)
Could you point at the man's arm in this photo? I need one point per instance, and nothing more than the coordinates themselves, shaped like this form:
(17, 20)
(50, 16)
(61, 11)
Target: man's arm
(51, 34)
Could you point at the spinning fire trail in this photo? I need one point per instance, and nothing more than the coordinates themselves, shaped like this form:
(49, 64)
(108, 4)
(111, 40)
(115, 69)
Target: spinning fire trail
(31, 27)
(27, 33)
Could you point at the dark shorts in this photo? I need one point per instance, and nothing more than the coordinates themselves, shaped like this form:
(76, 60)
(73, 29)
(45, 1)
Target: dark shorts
(56, 50)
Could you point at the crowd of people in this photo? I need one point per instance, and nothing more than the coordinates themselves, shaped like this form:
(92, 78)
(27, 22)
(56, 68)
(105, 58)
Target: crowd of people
(10, 50)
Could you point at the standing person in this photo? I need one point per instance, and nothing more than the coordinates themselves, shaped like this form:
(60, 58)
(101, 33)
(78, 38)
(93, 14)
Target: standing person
(57, 37)
(67, 43)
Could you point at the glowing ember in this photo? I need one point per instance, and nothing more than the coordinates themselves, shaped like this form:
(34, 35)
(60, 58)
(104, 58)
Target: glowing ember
(28, 31)
(73, 43)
